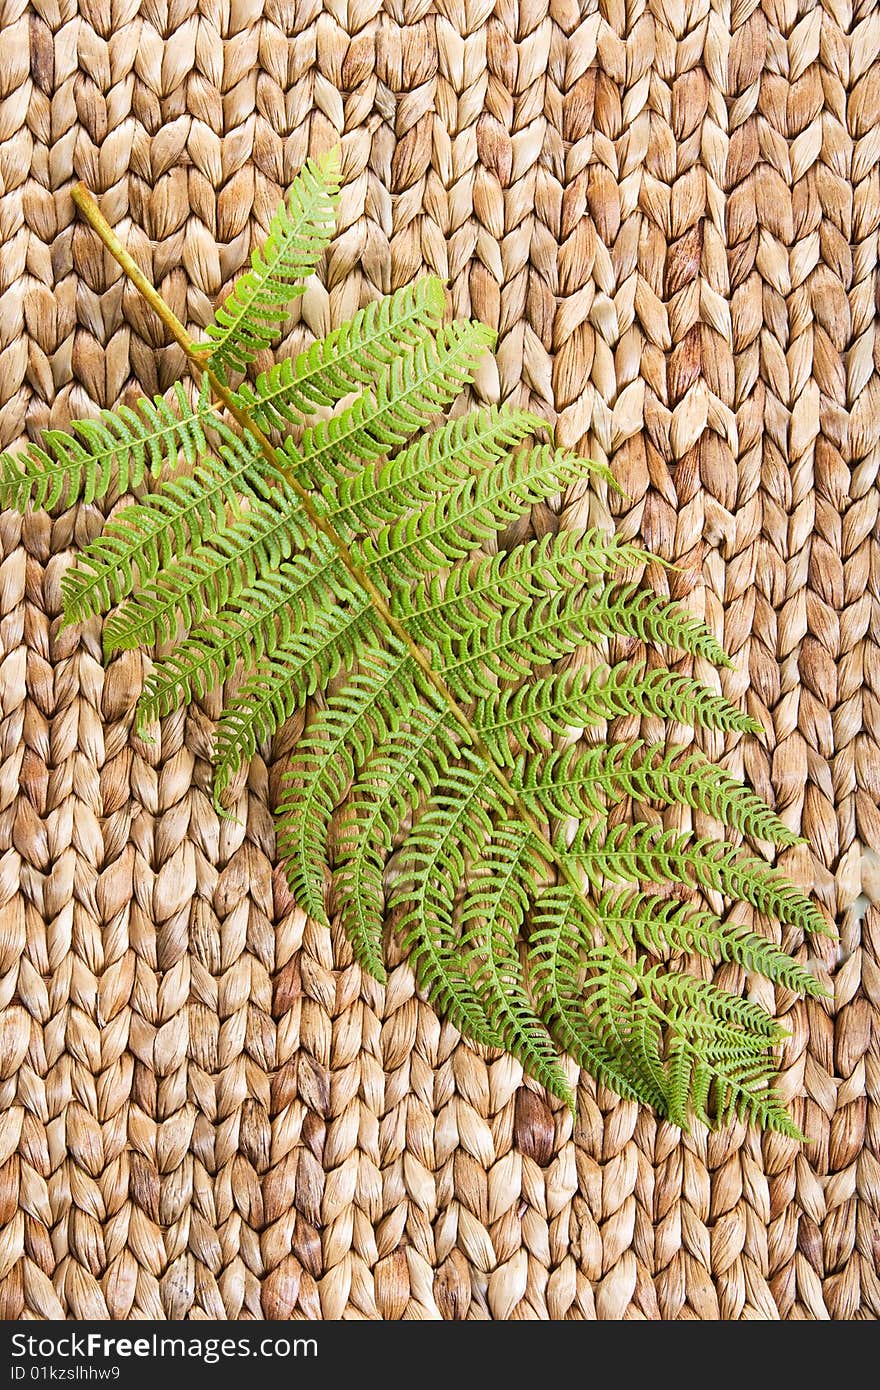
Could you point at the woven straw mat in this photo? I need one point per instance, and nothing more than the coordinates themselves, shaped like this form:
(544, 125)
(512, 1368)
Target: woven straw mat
(669, 210)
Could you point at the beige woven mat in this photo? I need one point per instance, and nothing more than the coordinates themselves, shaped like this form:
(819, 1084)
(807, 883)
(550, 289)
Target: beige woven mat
(670, 212)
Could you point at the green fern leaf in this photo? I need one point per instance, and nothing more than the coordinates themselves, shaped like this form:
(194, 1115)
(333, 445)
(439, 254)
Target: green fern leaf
(263, 618)
(436, 463)
(436, 737)
(577, 783)
(662, 925)
(491, 918)
(253, 544)
(703, 1007)
(530, 630)
(557, 955)
(298, 234)
(723, 1036)
(340, 741)
(414, 387)
(449, 832)
(668, 695)
(448, 609)
(627, 612)
(673, 1037)
(556, 705)
(143, 538)
(408, 764)
(475, 511)
(633, 853)
(350, 358)
(627, 1025)
(250, 545)
(121, 447)
(296, 670)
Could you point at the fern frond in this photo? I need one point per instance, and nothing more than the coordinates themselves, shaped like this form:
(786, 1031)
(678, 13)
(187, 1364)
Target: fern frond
(120, 447)
(437, 462)
(717, 1088)
(671, 1039)
(627, 1022)
(341, 564)
(574, 782)
(299, 232)
(353, 356)
(530, 630)
(339, 742)
(233, 571)
(446, 609)
(705, 1007)
(730, 1073)
(668, 695)
(407, 765)
(407, 396)
(632, 853)
(263, 617)
(662, 925)
(558, 945)
(504, 614)
(297, 669)
(629, 612)
(628, 1027)
(494, 909)
(253, 543)
(448, 835)
(144, 538)
(257, 541)
(689, 1085)
(559, 704)
(473, 512)
(730, 1042)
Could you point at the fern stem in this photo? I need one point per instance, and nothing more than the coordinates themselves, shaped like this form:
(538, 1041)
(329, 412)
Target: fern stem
(92, 213)
(196, 355)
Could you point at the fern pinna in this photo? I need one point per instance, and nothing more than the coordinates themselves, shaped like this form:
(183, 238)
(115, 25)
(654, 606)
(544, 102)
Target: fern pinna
(318, 530)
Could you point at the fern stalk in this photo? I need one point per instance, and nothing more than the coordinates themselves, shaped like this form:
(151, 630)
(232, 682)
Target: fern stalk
(196, 355)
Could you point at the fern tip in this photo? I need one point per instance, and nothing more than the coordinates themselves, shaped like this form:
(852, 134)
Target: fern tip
(558, 1086)
(435, 294)
(785, 1125)
(224, 813)
(818, 990)
(331, 160)
(603, 471)
(376, 971)
(487, 336)
(328, 168)
(820, 926)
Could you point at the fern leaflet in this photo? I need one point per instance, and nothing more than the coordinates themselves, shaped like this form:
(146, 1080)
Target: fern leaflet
(298, 233)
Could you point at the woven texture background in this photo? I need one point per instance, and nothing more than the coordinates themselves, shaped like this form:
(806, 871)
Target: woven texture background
(670, 212)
